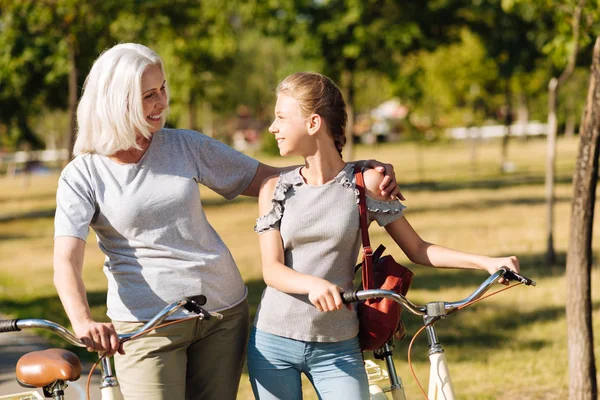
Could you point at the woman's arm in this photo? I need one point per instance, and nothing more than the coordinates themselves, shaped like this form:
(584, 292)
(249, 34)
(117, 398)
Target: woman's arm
(388, 187)
(322, 293)
(421, 252)
(68, 265)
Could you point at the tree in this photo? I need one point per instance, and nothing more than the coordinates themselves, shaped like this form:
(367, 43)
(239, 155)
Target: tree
(582, 370)
(48, 43)
(198, 44)
(354, 35)
(28, 74)
(505, 29)
(553, 88)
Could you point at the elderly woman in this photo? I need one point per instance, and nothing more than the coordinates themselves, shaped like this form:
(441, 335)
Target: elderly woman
(136, 184)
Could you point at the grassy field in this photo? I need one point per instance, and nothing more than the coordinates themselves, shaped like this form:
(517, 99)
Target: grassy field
(512, 346)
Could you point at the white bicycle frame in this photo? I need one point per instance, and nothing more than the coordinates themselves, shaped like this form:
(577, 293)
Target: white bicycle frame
(109, 385)
(440, 383)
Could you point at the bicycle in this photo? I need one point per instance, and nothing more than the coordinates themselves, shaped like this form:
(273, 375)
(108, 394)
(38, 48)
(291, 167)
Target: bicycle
(52, 369)
(440, 384)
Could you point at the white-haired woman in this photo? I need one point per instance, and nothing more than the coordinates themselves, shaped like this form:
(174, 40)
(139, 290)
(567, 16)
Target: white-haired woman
(136, 184)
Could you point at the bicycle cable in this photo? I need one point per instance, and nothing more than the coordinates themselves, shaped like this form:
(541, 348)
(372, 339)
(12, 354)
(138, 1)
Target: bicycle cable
(425, 326)
(121, 341)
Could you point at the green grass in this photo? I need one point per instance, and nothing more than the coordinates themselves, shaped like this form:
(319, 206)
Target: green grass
(510, 346)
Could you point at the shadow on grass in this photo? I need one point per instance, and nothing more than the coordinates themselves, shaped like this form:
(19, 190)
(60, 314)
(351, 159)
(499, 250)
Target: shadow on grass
(38, 196)
(533, 266)
(496, 183)
(476, 204)
(440, 186)
(50, 308)
(8, 237)
(495, 331)
(476, 339)
(45, 213)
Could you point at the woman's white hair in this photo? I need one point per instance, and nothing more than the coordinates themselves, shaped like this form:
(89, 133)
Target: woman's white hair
(110, 114)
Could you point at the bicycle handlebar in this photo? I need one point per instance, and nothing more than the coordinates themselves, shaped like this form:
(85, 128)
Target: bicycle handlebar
(16, 325)
(503, 272)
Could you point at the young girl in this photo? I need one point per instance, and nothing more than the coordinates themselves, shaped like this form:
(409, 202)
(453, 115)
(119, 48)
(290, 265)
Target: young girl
(309, 240)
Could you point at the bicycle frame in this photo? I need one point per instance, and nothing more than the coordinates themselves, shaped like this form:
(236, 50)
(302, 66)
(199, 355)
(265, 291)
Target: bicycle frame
(109, 385)
(440, 382)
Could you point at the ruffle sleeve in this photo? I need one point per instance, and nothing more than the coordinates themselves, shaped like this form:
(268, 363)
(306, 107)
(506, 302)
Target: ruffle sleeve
(384, 212)
(272, 219)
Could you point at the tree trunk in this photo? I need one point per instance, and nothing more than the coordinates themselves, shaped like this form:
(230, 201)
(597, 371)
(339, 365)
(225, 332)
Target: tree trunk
(580, 339)
(348, 91)
(192, 112)
(522, 113)
(508, 120)
(550, 171)
(570, 126)
(207, 119)
(73, 91)
(474, 138)
(553, 87)
(522, 110)
(570, 123)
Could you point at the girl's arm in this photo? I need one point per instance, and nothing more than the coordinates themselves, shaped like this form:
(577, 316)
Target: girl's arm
(421, 252)
(68, 265)
(322, 293)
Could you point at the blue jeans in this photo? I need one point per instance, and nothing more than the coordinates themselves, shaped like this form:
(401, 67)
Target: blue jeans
(275, 363)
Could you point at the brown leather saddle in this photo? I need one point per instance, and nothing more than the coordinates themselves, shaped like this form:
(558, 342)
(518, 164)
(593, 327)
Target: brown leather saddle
(44, 367)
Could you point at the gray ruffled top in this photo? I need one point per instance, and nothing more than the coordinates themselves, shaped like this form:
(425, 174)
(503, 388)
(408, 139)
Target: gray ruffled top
(320, 231)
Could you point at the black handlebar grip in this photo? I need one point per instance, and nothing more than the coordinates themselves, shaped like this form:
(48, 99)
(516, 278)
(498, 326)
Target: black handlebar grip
(192, 306)
(349, 297)
(9, 325)
(199, 299)
(513, 276)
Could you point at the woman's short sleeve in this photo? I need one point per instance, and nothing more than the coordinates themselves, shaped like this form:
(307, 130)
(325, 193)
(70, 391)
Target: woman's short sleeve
(384, 212)
(75, 208)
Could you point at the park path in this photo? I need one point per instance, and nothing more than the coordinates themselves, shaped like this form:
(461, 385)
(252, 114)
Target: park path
(14, 344)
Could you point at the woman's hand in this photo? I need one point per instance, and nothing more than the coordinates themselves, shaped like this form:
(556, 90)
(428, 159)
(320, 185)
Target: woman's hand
(325, 296)
(388, 186)
(494, 264)
(99, 336)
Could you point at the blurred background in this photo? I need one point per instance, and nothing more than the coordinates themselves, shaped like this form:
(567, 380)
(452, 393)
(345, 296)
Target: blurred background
(410, 70)
(478, 104)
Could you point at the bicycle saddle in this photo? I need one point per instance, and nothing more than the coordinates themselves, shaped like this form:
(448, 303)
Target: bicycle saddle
(41, 368)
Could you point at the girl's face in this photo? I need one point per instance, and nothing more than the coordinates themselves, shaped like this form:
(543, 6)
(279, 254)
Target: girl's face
(154, 97)
(289, 126)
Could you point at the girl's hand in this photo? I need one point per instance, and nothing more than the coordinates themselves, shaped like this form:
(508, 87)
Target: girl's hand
(325, 296)
(494, 265)
(99, 336)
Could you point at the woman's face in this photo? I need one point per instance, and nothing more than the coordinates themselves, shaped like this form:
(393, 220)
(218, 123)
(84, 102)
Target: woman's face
(289, 127)
(154, 97)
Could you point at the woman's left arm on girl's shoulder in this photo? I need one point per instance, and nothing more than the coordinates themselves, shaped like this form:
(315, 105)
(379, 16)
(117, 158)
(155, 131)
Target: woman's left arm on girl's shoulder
(373, 180)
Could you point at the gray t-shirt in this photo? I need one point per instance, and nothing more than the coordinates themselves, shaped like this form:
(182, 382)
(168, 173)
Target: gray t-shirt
(320, 232)
(149, 221)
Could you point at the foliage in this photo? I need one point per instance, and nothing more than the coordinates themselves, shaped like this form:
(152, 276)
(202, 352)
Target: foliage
(551, 20)
(450, 59)
(455, 79)
(35, 66)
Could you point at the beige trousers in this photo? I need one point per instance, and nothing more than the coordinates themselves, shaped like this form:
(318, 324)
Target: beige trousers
(191, 360)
